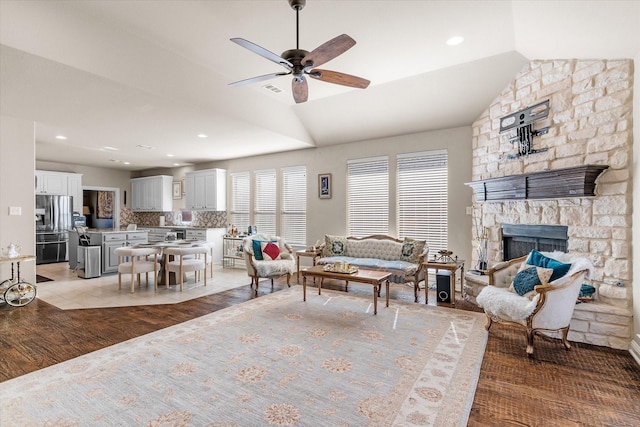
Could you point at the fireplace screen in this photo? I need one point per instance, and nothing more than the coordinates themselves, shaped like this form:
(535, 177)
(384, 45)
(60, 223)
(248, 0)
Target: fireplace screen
(519, 239)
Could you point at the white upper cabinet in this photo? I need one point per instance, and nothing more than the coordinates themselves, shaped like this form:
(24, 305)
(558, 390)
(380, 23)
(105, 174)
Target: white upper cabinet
(61, 183)
(151, 194)
(206, 190)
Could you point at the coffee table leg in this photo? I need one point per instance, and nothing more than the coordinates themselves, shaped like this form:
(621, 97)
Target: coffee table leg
(375, 298)
(304, 287)
(387, 293)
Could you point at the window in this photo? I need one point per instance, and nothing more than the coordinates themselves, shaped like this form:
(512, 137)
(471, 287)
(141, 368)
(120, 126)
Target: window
(265, 201)
(240, 200)
(368, 196)
(422, 197)
(294, 205)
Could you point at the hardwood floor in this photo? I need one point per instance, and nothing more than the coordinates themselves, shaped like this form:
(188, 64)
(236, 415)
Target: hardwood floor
(587, 386)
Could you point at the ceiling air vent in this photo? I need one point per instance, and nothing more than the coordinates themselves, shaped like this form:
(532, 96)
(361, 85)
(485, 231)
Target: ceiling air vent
(272, 88)
(146, 147)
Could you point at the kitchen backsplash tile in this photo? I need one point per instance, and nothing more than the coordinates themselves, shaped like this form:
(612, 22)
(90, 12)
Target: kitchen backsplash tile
(204, 219)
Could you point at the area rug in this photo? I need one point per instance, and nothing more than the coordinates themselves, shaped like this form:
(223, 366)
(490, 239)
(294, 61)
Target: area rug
(274, 360)
(42, 279)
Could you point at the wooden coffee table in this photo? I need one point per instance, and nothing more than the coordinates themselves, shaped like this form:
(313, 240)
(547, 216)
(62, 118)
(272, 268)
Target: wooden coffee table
(372, 277)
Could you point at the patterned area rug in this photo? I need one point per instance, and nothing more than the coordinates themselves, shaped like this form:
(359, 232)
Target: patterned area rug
(274, 360)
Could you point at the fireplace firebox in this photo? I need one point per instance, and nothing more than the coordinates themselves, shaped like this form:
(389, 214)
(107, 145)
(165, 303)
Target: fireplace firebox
(519, 239)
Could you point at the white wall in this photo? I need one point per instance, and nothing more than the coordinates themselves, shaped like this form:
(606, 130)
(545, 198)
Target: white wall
(17, 189)
(329, 216)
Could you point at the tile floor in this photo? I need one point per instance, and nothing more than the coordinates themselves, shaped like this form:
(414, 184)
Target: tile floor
(68, 291)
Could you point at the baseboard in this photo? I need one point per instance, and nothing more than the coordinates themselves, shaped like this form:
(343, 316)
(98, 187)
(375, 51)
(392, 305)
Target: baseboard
(634, 349)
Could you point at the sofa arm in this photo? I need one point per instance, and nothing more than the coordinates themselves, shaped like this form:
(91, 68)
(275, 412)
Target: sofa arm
(502, 274)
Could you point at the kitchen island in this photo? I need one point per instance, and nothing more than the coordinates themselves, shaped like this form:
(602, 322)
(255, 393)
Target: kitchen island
(109, 239)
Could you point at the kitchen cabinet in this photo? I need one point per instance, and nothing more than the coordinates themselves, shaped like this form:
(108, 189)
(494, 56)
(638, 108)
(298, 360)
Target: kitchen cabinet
(111, 242)
(209, 235)
(151, 194)
(74, 189)
(206, 190)
(60, 183)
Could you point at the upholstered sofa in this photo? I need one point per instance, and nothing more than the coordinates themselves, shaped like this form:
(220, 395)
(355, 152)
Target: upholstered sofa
(402, 258)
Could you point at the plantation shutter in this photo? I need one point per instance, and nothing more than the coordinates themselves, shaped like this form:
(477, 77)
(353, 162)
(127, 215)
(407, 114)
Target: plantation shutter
(422, 197)
(265, 201)
(294, 205)
(368, 196)
(240, 200)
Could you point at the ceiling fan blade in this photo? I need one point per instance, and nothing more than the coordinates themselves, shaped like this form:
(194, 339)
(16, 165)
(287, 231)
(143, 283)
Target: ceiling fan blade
(329, 50)
(257, 79)
(339, 78)
(263, 52)
(300, 89)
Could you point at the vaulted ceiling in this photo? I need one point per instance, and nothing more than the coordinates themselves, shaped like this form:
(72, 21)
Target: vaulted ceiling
(144, 78)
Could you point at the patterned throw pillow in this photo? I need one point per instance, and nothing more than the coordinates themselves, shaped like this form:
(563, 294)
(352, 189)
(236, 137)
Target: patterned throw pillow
(270, 251)
(528, 278)
(334, 246)
(539, 260)
(256, 245)
(411, 250)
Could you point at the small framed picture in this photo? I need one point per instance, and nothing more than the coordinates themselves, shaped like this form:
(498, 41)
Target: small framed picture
(177, 190)
(324, 185)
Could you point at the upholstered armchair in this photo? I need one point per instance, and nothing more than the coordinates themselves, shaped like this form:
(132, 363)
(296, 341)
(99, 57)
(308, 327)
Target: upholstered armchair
(268, 257)
(547, 307)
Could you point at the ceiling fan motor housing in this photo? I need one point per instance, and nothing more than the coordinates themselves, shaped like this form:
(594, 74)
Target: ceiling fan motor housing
(297, 4)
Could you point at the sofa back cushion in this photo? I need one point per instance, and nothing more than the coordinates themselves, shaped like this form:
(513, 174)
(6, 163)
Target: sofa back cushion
(373, 248)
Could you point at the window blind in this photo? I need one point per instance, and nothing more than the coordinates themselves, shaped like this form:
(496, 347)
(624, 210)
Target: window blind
(368, 196)
(240, 200)
(294, 205)
(423, 197)
(265, 201)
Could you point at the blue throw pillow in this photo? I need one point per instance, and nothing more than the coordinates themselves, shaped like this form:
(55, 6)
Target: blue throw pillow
(529, 278)
(559, 269)
(257, 250)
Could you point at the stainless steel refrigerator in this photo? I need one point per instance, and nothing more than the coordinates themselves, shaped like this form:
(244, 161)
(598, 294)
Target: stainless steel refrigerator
(54, 219)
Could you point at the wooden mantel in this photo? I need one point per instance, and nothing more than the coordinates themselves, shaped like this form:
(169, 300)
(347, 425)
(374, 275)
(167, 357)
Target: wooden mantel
(579, 181)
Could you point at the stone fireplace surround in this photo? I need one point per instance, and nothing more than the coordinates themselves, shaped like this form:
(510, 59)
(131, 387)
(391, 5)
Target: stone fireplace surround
(589, 123)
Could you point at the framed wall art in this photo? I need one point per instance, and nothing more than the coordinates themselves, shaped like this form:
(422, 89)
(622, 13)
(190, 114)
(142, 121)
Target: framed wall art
(177, 190)
(324, 185)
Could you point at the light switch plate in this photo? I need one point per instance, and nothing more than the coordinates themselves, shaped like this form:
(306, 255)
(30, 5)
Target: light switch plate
(469, 210)
(15, 210)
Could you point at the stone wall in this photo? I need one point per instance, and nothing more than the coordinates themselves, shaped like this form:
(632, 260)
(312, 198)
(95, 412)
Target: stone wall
(590, 122)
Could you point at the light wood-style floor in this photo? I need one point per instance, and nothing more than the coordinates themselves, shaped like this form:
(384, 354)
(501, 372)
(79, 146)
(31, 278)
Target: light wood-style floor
(586, 386)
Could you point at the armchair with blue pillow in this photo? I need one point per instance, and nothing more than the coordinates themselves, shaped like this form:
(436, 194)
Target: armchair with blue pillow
(537, 291)
(268, 257)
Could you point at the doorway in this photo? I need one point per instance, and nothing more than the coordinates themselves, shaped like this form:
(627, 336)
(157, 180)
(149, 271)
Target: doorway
(101, 206)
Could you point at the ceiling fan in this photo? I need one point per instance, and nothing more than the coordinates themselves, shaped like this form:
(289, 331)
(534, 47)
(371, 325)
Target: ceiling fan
(299, 62)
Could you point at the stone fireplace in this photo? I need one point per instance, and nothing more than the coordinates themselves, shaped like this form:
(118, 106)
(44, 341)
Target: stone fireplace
(589, 123)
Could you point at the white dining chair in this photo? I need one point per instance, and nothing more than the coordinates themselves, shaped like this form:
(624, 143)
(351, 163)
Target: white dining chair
(140, 261)
(183, 262)
(209, 263)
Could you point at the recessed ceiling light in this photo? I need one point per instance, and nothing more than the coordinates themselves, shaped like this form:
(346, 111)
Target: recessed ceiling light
(176, 164)
(454, 41)
(110, 148)
(126, 163)
(202, 135)
(169, 155)
(61, 137)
